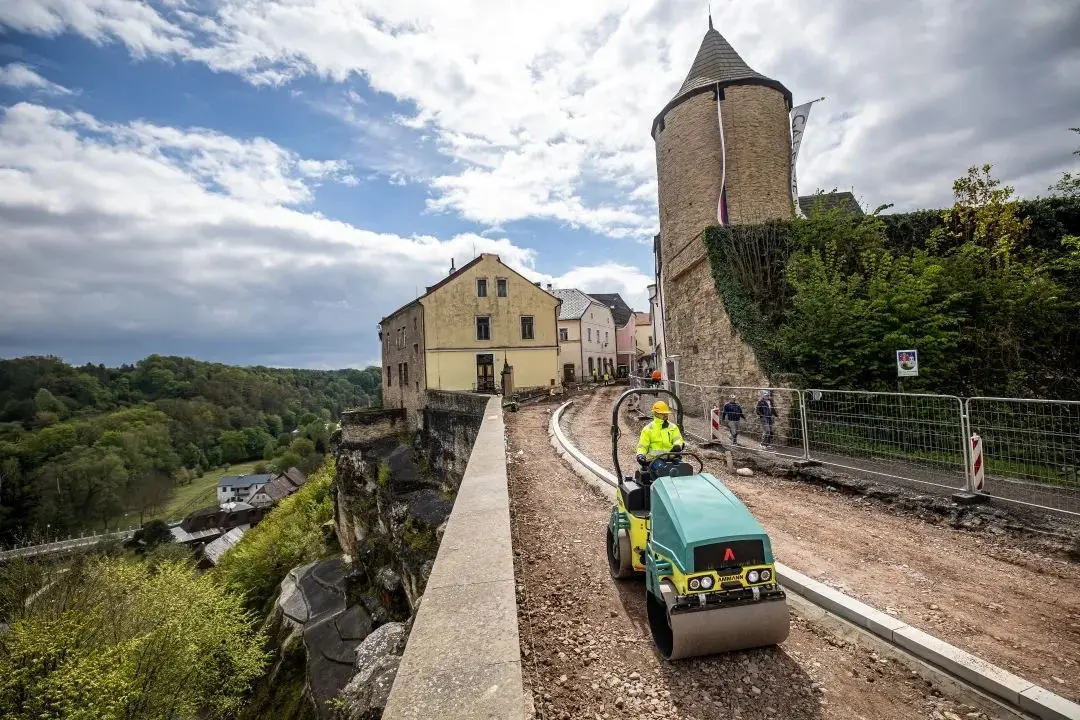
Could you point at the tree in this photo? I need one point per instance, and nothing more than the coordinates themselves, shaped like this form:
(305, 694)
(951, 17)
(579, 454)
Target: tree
(233, 445)
(291, 535)
(115, 639)
(986, 214)
(46, 402)
(152, 534)
(145, 422)
(1069, 184)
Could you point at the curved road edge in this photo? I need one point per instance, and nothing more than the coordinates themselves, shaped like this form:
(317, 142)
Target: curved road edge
(1001, 684)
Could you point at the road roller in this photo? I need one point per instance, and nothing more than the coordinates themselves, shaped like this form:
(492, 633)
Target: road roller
(710, 580)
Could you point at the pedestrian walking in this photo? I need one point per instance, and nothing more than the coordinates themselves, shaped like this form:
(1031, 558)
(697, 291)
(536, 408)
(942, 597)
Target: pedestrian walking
(767, 412)
(732, 414)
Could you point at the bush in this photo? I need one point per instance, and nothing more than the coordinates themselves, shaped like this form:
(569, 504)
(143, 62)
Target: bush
(290, 535)
(113, 639)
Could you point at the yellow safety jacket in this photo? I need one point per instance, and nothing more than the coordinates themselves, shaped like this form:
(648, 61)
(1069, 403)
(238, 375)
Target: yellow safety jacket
(656, 439)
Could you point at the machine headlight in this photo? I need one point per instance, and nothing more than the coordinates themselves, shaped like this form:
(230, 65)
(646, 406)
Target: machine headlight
(706, 583)
(765, 575)
(695, 584)
(752, 576)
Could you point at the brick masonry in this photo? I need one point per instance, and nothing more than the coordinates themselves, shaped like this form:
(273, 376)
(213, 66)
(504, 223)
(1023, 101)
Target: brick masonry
(689, 171)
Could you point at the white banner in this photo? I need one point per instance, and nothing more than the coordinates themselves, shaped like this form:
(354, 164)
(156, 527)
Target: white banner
(720, 210)
(799, 116)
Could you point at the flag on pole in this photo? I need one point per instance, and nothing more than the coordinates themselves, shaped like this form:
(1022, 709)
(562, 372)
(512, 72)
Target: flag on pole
(721, 204)
(799, 116)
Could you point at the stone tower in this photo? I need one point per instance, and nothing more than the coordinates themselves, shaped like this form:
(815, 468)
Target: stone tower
(691, 156)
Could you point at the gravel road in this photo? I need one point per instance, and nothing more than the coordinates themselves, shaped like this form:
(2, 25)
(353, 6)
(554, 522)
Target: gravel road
(586, 649)
(1013, 607)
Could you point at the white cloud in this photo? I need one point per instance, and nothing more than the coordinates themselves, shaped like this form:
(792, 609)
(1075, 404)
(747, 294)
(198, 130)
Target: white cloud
(546, 115)
(23, 77)
(136, 24)
(142, 235)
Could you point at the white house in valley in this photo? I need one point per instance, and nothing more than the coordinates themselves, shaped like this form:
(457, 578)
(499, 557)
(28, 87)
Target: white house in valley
(587, 342)
(240, 488)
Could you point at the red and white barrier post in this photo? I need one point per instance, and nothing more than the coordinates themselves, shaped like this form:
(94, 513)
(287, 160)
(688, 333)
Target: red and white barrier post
(714, 425)
(978, 469)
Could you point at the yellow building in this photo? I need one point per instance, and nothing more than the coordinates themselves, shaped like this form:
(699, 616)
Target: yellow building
(465, 330)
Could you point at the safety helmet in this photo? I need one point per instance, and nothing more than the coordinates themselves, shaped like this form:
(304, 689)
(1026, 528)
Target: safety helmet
(660, 408)
(656, 375)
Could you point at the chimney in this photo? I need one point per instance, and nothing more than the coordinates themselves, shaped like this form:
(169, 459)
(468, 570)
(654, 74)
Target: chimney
(537, 284)
(549, 287)
(451, 266)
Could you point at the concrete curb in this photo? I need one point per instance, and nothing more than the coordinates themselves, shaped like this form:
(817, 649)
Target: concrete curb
(1015, 690)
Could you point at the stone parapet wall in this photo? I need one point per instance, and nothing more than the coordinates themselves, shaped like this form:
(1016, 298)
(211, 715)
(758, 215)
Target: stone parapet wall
(462, 659)
(451, 422)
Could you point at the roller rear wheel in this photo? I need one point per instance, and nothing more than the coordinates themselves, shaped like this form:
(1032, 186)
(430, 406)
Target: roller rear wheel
(618, 555)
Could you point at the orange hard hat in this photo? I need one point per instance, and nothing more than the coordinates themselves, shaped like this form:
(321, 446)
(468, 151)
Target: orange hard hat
(656, 375)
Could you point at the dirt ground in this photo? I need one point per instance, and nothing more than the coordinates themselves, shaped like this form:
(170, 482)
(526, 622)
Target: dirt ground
(586, 648)
(1012, 607)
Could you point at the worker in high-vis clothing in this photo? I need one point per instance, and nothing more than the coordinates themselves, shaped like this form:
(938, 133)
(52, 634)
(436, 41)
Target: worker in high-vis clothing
(659, 437)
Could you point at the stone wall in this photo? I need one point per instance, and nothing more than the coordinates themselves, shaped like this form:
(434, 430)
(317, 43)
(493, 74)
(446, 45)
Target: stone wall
(451, 421)
(403, 350)
(690, 166)
(757, 132)
(364, 428)
(340, 625)
(463, 655)
(700, 332)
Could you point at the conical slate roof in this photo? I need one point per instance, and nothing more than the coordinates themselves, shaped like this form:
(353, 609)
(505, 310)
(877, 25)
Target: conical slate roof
(717, 64)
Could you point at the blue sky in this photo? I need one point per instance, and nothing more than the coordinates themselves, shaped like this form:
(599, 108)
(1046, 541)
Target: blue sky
(261, 181)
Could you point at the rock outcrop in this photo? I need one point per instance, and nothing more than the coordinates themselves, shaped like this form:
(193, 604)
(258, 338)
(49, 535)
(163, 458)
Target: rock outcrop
(341, 625)
(377, 661)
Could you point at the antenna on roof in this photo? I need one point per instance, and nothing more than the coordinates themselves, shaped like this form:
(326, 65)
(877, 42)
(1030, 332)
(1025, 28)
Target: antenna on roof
(710, 16)
(451, 266)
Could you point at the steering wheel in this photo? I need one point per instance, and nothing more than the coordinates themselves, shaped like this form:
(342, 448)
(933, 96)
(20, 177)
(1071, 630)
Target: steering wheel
(674, 457)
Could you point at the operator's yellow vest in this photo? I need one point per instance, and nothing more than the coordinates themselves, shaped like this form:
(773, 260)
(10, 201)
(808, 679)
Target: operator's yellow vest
(657, 440)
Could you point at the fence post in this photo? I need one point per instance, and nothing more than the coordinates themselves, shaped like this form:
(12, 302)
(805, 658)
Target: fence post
(805, 424)
(965, 438)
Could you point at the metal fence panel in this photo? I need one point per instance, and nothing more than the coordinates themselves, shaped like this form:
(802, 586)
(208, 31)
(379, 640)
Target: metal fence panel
(1031, 449)
(908, 437)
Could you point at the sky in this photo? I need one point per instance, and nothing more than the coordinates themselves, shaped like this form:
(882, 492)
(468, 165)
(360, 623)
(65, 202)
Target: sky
(260, 181)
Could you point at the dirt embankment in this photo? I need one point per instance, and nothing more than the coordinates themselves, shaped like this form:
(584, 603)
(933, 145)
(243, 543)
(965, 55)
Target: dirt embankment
(979, 590)
(586, 648)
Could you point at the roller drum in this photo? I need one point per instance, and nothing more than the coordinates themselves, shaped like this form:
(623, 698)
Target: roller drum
(692, 633)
